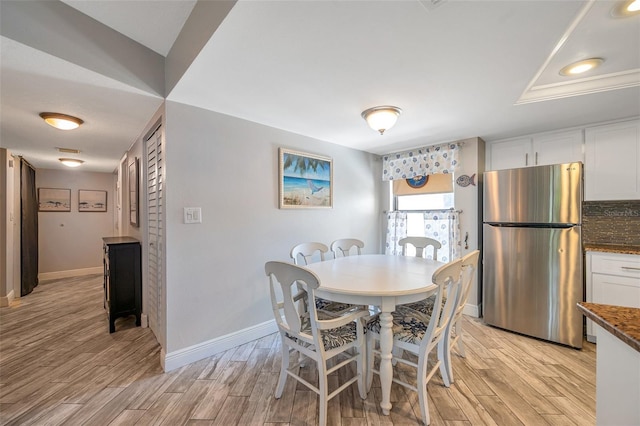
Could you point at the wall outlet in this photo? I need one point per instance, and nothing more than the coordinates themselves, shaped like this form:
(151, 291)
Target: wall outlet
(192, 215)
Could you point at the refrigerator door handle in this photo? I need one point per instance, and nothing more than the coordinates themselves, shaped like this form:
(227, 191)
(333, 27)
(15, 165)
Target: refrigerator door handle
(531, 225)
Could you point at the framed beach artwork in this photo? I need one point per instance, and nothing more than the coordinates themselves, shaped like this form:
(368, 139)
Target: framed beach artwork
(306, 180)
(92, 201)
(54, 200)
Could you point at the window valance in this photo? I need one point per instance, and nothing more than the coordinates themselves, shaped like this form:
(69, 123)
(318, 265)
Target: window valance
(420, 162)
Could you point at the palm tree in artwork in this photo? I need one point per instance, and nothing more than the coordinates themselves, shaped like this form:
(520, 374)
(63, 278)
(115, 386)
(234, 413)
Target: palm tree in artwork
(302, 164)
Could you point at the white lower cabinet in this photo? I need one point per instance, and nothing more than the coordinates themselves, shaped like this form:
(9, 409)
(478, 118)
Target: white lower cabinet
(611, 279)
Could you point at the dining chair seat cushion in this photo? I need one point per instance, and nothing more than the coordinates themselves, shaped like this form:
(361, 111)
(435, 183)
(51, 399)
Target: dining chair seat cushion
(333, 338)
(407, 326)
(331, 306)
(425, 306)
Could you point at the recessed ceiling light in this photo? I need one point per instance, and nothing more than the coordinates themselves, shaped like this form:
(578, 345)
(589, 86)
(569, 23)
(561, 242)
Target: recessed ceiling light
(61, 121)
(625, 9)
(71, 162)
(581, 66)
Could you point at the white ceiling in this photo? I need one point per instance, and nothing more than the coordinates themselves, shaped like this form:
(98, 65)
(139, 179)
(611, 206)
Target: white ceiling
(458, 69)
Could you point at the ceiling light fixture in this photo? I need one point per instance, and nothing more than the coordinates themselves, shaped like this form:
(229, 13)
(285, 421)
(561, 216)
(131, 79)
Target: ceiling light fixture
(71, 162)
(61, 121)
(633, 6)
(625, 9)
(581, 66)
(381, 118)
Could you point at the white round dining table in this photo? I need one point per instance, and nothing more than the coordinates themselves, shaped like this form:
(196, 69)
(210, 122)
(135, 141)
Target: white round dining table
(383, 281)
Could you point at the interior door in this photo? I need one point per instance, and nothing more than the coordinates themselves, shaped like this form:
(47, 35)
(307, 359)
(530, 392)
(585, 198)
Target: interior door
(155, 234)
(28, 228)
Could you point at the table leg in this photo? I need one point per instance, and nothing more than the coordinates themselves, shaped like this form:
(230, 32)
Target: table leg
(386, 369)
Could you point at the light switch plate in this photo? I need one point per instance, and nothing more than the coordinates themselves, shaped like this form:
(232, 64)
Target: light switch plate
(192, 215)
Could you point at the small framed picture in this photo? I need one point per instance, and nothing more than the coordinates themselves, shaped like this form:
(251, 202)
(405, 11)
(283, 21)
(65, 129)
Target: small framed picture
(133, 192)
(306, 180)
(92, 201)
(54, 200)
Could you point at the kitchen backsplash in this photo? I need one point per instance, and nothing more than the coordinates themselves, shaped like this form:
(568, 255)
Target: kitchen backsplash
(611, 222)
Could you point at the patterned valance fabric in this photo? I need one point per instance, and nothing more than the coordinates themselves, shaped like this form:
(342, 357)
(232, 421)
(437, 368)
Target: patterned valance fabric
(420, 162)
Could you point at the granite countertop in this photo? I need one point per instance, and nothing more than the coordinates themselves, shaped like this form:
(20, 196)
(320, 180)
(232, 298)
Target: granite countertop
(612, 248)
(622, 322)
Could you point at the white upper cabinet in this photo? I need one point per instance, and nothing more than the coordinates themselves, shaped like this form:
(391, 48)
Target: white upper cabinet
(612, 162)
(536, 150)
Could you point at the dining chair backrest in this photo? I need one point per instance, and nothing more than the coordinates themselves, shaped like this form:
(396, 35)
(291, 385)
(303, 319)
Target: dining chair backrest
(453, 334)
(469, 266)
(420, 244)
(342, 247)
(306, 253)
(447, 278)
(284, 281)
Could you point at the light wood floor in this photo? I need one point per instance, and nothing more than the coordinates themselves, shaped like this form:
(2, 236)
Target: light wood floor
(59, 365)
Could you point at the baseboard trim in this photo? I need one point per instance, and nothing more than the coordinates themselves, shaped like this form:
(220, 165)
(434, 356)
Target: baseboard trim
(472, 310)
(6, 300)
(70, 273)
(171, 361)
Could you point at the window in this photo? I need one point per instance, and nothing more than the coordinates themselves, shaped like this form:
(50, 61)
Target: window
(436, 194)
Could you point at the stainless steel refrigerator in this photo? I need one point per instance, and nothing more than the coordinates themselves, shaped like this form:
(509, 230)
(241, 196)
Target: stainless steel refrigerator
(532, 251)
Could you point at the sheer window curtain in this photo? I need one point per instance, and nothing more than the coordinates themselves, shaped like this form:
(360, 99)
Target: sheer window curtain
(444, 226)
(396, 230)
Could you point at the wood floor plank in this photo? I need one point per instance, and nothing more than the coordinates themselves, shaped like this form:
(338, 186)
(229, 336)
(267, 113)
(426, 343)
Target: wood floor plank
(59, 365)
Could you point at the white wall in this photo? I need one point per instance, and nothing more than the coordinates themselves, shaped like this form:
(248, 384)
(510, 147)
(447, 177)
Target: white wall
(469, 200)
(72, 241)
(7, 228)
(229, 167)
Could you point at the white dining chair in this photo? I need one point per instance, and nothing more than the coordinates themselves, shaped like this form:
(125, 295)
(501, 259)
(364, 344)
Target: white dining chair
(453, 335)
(309, 334)
(419, 335)
(306, 253)
(343, 247)
(420, 244)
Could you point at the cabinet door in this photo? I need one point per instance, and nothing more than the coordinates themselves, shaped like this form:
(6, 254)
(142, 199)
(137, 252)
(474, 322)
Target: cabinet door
(612, 162)
(509, 154)
(557, 148)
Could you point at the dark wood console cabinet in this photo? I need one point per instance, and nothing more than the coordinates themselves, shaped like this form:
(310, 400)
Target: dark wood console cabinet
(122, 279)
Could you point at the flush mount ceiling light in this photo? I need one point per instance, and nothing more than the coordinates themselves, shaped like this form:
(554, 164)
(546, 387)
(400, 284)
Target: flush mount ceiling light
(71, 162)
(61, 121)
(381, 118)
(581, 66)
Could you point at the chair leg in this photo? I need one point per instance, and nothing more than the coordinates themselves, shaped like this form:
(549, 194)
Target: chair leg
(422, 389)
(283, 370)
(397, 353)
(361, 369)
(459, 338)
(323, 387)
(444, 355)
(371, 342)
